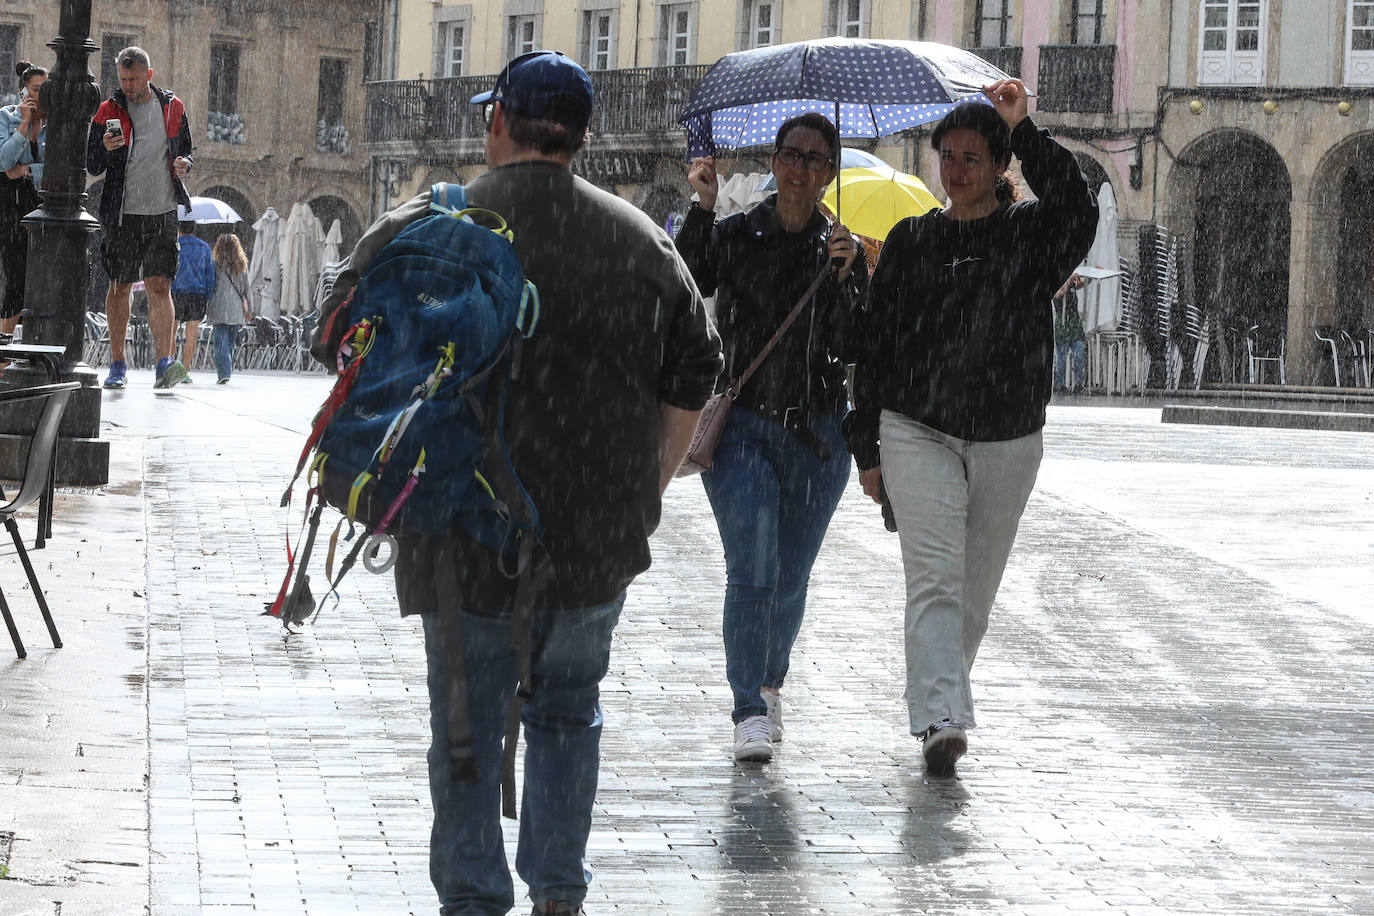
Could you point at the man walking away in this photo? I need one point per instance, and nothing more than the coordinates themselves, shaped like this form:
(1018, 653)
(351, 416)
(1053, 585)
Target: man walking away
(611, 384)
(140, 141)
(191, 288)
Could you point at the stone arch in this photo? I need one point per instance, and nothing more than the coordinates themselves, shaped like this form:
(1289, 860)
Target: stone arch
(327, 208)
(1342, 235)
(1093, 171)
(1231, 191)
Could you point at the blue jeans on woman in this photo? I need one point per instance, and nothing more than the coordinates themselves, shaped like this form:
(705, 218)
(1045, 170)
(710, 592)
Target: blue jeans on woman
(773, 499)
(562, 737)
(222, 338)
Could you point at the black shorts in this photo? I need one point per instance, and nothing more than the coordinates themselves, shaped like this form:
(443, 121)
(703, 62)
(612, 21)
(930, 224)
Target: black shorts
(189, 306)
(142, 246)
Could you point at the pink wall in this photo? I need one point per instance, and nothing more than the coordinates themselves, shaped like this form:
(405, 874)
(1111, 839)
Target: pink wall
(1036, 32)
(1125, 43)
(943, 29)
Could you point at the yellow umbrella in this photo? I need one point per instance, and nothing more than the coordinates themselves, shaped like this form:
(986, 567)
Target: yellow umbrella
(876, 199)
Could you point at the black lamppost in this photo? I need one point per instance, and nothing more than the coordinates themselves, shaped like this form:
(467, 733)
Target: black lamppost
(58, 279)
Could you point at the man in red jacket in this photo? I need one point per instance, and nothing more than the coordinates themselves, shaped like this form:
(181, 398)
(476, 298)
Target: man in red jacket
(141, 141)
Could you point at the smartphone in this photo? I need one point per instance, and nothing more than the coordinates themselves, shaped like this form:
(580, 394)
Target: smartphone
(889, 519)
(112, 126)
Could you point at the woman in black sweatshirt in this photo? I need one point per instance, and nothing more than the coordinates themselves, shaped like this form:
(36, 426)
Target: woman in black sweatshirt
(781, 465)
(952, 383)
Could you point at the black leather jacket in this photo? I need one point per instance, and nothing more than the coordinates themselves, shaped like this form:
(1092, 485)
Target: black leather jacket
(757, 272)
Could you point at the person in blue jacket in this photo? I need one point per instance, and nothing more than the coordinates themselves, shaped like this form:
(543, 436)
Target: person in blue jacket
(192, 287)
(23, 134)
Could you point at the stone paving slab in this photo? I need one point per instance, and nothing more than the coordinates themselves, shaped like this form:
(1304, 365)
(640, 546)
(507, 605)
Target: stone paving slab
(1175, 698)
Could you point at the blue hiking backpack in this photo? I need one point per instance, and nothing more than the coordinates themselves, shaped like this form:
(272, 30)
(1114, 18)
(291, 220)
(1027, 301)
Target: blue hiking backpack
(411, 438)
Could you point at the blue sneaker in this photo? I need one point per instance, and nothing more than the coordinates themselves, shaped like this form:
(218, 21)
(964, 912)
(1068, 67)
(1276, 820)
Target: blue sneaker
(116, 377)
(169, 373)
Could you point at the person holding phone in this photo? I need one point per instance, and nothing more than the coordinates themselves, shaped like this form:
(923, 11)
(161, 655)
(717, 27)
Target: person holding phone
(23, 137)
(781, 465)
(140, 140)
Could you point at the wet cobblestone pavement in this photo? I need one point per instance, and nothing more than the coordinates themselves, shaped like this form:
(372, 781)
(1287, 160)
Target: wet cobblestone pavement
(1176, 698)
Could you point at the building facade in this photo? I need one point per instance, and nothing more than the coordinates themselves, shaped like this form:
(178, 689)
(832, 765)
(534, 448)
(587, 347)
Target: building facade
(273, 91)
(1243, 126)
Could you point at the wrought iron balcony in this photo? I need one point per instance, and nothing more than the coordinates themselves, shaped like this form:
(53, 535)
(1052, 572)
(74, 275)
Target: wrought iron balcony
(1007, 58)
(640, 101)
(1076, 78)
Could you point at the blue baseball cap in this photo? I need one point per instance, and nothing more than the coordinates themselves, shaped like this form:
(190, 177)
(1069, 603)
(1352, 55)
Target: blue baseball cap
(544, 84)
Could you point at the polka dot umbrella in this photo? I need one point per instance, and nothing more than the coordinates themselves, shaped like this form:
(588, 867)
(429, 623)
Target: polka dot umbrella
(871, 87)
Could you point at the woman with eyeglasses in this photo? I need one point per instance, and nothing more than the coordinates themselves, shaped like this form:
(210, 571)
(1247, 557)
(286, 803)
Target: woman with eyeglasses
(23, 134)
(781, 465)
(951, 385)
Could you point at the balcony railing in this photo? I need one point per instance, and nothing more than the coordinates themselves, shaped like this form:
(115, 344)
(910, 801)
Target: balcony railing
(641, 100)
(1076, 78)
(1007, 59)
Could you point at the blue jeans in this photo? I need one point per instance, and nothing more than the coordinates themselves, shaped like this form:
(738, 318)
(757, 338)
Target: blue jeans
(1062, 352)
(773, 499)
(562, 736)
(222, 338)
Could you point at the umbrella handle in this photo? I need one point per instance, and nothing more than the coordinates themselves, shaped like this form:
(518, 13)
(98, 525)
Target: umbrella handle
(837, 263)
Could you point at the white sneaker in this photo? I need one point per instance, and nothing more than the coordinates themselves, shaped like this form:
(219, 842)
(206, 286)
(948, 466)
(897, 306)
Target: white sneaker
(773, 700)
(754, 740)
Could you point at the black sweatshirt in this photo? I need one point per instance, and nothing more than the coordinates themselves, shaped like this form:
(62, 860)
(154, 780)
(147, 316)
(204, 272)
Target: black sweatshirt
(958, 329)
(757, 271)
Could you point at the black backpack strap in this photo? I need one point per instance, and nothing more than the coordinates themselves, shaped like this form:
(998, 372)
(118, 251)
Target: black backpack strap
(522, 642)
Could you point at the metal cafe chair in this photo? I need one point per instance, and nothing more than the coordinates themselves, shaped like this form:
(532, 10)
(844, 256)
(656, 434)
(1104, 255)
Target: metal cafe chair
(42, 447)
(1327, 336)
(1357, 356)
(1264, 347)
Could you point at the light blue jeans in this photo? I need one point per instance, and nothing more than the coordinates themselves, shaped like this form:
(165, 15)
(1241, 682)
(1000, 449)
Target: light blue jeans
(773, 499)
(958, 505)
(562, 737)
(222, 338)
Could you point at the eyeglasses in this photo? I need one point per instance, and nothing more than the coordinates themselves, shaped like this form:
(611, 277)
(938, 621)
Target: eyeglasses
(790, 156)
(489, 113)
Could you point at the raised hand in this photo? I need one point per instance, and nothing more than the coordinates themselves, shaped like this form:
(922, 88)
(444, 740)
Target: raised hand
(701, 175)
(1010, 98)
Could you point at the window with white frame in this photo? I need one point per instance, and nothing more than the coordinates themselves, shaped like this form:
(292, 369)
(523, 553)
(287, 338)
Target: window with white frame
(522, 35)
(1232, 42)
(1087, 22)
(762, 23)
(456, 49)
(991, 23)
(1359, 48)
(678, 27)
(849, 18)
(453, 39)
(598, 39)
